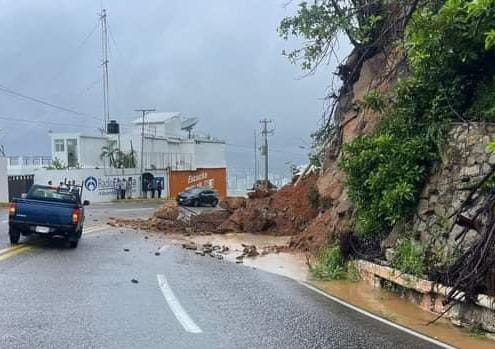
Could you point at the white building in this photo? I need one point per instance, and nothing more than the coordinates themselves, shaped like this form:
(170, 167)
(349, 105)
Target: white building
(166, 146)
(169, 153)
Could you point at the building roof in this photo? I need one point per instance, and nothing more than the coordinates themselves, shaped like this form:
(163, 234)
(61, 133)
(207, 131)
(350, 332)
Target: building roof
(156, 117)
(74, 135)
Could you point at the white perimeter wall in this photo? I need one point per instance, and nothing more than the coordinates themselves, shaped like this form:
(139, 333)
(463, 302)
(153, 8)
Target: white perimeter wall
(4, 184)
(105, 179)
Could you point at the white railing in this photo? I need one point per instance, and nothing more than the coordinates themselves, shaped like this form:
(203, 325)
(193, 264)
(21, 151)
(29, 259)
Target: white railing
(162, 161)
(29, 161)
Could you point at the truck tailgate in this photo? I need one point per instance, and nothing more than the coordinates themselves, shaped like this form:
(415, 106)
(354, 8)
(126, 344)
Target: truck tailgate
(37, 212)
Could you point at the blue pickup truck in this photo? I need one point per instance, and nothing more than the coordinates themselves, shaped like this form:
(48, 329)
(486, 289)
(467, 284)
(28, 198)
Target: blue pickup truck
(48, 211)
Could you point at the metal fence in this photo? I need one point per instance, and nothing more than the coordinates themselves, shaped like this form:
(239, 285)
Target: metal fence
(173, 161)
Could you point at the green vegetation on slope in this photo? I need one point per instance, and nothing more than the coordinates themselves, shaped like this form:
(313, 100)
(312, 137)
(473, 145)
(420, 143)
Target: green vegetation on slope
(451, 58)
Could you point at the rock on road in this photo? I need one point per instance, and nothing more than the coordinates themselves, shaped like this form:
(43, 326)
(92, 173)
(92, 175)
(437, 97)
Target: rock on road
(53, 297)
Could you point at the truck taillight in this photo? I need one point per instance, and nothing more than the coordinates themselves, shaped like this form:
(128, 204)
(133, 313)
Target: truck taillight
(12, 208)
(76, 215)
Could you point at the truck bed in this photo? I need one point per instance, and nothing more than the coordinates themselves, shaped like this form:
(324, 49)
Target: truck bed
(43, 212)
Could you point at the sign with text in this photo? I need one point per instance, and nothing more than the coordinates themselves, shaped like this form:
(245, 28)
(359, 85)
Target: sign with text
(215, 178)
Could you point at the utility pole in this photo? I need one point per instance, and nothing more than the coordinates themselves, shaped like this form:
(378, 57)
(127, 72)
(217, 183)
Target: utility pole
(104, 54)
(265, 132)
(143, 111)
(255, 159)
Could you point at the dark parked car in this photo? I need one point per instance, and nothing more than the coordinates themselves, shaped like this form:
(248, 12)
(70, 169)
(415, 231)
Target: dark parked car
(198, 197)
(48, 211)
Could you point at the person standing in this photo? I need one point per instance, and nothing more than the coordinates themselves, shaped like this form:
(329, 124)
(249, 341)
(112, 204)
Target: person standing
(153, 188)
(159, 188)
(129, 188)
(118, 187)
(123, 188)
(150, 188)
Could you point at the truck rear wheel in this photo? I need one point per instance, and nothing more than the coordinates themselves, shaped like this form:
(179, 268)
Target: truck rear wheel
(14, 236)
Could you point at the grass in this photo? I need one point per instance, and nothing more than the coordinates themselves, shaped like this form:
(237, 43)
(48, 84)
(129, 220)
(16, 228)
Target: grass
(409, 258)
(476, 332)
(330, 265)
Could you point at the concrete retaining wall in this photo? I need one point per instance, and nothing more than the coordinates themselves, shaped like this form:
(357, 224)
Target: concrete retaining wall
(430, 296)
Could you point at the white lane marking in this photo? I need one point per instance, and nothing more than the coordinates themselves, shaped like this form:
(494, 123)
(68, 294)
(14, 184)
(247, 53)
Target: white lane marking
(173, 303)
(96, 228)
(135, 209)
(378, 318)
(5, 221)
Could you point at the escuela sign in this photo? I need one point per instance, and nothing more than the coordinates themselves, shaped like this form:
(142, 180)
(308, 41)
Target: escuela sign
(215, 178)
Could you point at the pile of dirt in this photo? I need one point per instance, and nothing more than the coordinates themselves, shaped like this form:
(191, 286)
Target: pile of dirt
(150, 224)
(167, 219)
(285, 212)
(168, 211)
(208, 221)
(233, 203)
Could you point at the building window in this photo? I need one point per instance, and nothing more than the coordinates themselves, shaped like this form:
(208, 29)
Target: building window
(59, 145)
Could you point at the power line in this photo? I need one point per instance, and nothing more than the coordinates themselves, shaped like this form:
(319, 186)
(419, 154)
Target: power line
(113, 39)
(40, 122)
(89, 87)
(247, 148)
(78, 47)
(40, 101)
(104, 49)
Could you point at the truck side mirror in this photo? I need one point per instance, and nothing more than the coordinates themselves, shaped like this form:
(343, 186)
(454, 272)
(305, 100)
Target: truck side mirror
(86, 203)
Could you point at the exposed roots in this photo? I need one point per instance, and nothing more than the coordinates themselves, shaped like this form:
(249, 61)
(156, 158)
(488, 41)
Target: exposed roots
(473, 272)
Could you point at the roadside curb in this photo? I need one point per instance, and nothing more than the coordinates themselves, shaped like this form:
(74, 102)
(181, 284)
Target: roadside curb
(376, 317)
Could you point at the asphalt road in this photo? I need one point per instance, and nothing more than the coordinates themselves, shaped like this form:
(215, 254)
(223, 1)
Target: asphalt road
(54, 297)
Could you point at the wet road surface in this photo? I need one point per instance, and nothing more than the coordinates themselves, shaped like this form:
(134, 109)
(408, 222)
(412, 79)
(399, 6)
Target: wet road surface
(54, 297)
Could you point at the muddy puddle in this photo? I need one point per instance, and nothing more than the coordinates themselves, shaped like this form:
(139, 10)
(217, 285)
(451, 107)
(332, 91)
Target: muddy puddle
(290, 264)
(392, 307)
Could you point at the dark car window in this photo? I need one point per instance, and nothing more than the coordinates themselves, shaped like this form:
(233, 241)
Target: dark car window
(53, 194)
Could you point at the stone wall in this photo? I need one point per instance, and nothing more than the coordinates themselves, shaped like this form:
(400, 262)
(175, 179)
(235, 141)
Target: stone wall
(465, 161)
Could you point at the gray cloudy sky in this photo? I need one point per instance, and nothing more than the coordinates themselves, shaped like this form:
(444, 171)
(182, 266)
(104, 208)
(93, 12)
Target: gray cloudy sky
(219, 60)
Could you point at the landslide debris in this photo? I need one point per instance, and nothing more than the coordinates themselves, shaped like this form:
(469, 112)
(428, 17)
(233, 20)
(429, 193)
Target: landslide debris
(282, 213)
(286, 212)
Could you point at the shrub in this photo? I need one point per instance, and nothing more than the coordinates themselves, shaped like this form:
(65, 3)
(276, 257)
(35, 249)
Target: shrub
(331, 265)
(450, 54)
(383, 174)
(409, 258)
(374, 101)
(484, 102)
(314, 197)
